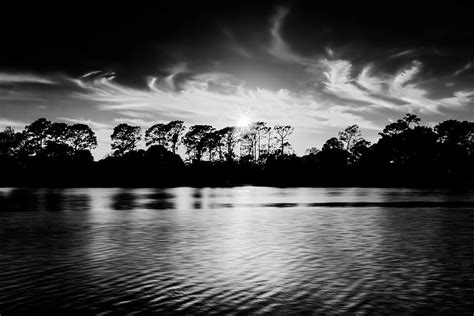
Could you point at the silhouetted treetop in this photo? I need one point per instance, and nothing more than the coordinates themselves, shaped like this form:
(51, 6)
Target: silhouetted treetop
(196, 141)
(406, 153)
(125, 138)
(82, 137)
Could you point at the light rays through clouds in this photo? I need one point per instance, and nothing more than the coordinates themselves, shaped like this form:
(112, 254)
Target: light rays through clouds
(338, 92)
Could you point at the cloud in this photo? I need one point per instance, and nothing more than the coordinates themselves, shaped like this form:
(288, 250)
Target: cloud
(400, 92)
(216, 98)
(278, 46)
(462, 69)
(371, 83)
(460, 98)
(91, 123)
(340, 83)
(4, 122)
(405, 53)
(23, 78)
(134, 121)
(234, 45)
(406, 75)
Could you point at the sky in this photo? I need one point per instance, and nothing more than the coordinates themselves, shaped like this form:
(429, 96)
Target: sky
(316, 66)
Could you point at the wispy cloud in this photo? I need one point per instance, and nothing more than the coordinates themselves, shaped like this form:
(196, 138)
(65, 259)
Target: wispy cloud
(23, 78)
(11, 123)
(460, 98)
(278, 46)
(91, 123)
(405, 53)
(401, 91)
(369, 82)
(465, 68)
(339, 82)
(213, 97)
(235, 45)
(134, 121)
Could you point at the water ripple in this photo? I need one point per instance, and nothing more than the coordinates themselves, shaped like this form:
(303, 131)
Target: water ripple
(240, 251)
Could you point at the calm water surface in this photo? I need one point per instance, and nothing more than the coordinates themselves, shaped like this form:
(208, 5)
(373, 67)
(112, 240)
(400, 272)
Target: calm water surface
(237, 250)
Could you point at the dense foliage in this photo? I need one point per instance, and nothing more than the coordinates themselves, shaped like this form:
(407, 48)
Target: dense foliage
(407, 154)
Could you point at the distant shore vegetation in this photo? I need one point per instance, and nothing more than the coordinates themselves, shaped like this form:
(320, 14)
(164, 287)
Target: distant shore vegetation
(408, 153)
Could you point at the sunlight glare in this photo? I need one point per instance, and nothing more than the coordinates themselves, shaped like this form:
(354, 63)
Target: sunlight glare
(243, 121)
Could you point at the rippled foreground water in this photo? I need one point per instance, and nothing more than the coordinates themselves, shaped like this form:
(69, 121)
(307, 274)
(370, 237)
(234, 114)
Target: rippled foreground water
(245, 249)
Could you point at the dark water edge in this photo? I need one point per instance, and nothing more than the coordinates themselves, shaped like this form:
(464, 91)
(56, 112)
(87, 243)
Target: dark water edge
(242, 250)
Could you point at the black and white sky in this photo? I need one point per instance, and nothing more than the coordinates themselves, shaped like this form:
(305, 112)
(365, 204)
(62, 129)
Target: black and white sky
(316, 65)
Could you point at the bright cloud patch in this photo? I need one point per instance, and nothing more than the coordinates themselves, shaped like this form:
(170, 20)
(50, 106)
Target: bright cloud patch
(400, 92)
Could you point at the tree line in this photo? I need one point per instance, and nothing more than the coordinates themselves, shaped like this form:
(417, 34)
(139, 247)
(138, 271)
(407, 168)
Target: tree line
(407, 153)
(203, 142)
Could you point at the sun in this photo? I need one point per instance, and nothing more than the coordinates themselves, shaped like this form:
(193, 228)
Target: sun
(243, 121)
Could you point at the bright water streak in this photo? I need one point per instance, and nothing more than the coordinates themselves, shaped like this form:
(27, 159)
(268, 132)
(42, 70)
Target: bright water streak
(245, 249)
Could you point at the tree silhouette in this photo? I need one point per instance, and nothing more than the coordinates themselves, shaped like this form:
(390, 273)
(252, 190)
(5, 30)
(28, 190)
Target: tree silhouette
(249, 141)
(167, 135)
(156, 135)
(268, 135)
(195, 141)
(456, 133)
(408, 153)
(58, 133)
(37, 134)
(10, 142)
(333, 144)
(229, 138)
(359, 150)
(312, 151)
(283, 132)
(333, 157)
(82, 137)
(400, 125)
(350, 136)
(212, 142)
(125, 138)
(261, 130)
(173, 135)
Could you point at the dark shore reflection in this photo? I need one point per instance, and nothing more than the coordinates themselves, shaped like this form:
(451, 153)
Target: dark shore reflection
(243, 249)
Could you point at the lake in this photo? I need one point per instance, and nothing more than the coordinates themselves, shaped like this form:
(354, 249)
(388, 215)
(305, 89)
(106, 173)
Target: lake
(237, 250)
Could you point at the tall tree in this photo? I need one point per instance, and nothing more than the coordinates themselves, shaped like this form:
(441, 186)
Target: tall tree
(125, 138)
(261, 130)
(229, 138)
(82, 137)
(282, 134)
(58, 133)
(10, 142)
(37, 135)
(350, 136)
(195, 141)
(249, 141)
(156, 135)
(212, 143)
(333, 144)
(456, 133)
(312, 151)
(173, 135)
(333, 156)
(360, 149)
(269, 137)
(400, 125)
